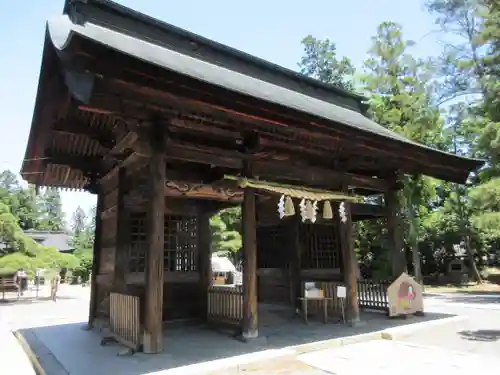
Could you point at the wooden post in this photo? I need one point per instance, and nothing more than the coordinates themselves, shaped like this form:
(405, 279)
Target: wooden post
(249, 324)
(394, 229)
(350, 264)
(95, 260)
(204, 257)
(122, 237)
(291, 231)
(153, 322)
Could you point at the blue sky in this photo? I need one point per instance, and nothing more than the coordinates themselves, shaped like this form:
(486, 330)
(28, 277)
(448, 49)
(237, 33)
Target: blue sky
(269, 29)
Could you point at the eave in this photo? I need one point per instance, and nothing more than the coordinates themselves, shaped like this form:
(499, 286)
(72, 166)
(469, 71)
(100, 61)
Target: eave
(315, 115)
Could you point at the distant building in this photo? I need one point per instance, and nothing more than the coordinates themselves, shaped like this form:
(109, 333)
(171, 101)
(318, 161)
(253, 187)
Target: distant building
(60, 240)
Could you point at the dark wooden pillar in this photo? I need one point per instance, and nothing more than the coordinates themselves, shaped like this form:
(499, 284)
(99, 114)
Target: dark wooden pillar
(122, 237)
(96, 259)
(291, 231)
(249, 228)
(397, 251)
(204, 257)
(350, 264)
(153, 322)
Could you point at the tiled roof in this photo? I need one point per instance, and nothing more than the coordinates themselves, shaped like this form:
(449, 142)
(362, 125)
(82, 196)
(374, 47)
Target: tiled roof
(60, 240)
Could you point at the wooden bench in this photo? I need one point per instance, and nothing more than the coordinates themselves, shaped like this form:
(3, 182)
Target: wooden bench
(8, 284)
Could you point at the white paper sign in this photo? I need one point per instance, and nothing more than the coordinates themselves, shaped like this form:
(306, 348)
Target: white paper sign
(309, 285)
(341, 291)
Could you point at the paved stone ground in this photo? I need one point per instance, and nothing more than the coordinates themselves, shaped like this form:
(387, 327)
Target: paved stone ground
(462, 347)
(479, 333)
(79, 351)
(387, 357)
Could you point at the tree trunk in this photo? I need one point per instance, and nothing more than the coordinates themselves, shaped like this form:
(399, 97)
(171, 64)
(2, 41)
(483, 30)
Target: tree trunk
(473, 271)
(412, 222)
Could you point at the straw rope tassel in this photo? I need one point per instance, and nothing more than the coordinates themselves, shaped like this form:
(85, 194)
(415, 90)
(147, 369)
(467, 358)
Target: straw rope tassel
(327, 210)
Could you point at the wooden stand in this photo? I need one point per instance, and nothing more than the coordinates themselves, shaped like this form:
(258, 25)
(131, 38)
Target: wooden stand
(322, 300)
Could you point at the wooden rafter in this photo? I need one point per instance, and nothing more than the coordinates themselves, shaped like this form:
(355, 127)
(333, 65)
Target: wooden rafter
(80, 127)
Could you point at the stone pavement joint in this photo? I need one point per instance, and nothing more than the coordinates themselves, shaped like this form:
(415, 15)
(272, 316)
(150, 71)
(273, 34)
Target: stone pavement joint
(14, 359)
(398, 333)
(43, 357)
(33, 358)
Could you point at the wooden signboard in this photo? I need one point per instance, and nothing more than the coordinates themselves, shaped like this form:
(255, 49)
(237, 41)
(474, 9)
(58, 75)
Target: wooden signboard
(405, 296)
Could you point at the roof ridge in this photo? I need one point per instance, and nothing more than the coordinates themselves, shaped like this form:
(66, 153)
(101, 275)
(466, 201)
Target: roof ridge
(260, 62)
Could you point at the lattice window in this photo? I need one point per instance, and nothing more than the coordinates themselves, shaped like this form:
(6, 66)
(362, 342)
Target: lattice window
(320, 246)
(180, 243)
(271, 251)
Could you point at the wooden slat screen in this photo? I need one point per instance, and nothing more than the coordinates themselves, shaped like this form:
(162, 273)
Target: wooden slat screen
(124, 319)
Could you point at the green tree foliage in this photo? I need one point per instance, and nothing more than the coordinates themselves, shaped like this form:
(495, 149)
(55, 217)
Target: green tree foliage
(51, 209)
(399, 99)
(450, 103)
(320, 62)
(225, 228)
(20, 209)
(83, 240)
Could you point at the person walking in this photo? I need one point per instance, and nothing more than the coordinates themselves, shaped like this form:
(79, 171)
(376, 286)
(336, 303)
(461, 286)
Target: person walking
(54, 286)
(22, 280)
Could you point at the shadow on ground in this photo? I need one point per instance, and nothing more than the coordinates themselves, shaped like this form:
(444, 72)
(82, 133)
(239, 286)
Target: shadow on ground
(486, 335)
(474, 297)
(68, 349)
(30, 300)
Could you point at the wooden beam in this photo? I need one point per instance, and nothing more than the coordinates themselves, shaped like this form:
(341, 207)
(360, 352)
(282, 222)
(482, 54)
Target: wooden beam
(290, 169)
(350, 264)
(298, 171)
(122, 236)
(95, 261)
(126, 142)
(204, 257)
(249, 324)
(153, 319)
(129, 162)
(202, 191)
(192, 190)
(368, 210)
(291, 231)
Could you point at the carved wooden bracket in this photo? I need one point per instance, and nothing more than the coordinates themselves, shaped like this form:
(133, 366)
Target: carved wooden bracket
(192, 190)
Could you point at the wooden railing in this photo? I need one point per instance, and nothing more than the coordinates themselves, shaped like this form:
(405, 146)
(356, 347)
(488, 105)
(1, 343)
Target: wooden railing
(225, 305)
(372, 294)
(124, 319)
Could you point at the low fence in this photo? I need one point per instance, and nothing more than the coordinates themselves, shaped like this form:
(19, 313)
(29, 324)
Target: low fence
(124, 319)
(225, 305)
(371, 295)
